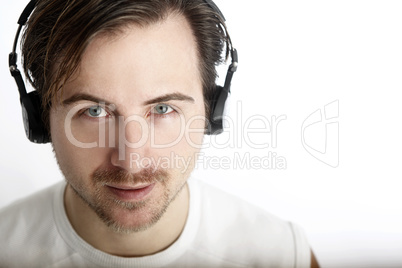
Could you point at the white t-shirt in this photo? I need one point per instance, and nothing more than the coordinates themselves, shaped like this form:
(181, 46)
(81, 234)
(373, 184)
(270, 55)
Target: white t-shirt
(221, 231)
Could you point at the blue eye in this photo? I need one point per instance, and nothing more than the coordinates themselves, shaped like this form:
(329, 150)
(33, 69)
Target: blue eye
(96, 111)
(162, 109)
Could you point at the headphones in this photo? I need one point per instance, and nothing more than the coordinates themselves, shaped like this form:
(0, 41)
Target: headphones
(35, 128)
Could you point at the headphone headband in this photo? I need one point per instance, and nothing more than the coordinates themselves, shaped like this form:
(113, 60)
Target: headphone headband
(27, 11)
(214, 7)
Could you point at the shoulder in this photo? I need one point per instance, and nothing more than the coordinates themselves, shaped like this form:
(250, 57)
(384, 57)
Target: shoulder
(29, 208)
(28, 226)
(244, 233)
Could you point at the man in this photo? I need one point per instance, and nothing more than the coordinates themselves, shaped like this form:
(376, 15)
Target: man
(126, 87)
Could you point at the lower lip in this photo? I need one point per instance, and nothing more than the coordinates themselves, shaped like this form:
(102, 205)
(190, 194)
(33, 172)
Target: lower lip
(137, 194)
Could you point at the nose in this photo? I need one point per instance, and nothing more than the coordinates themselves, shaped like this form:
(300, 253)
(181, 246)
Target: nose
(132, 144)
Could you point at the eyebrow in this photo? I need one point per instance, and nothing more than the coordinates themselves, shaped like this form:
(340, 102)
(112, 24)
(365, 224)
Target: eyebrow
(163, 98)
(169, 97)
(83, 96)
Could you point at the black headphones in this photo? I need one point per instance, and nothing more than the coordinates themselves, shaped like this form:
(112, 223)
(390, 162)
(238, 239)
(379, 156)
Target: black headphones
(219, 102)
(35, 129)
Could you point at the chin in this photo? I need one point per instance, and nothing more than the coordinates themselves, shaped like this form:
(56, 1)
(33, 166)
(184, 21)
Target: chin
(131, 217)
(128, 225)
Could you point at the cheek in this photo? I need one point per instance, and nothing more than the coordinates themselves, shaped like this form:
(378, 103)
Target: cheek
(73, 158)
(182, 151)
(166, 132)
(195, 130)
(178, 140)
(185, 126)
(179, 131)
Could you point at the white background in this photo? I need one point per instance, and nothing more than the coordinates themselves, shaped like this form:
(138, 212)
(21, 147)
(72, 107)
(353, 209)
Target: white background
(295, 57)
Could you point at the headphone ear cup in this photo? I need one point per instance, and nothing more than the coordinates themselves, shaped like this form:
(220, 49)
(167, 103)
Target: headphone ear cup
(218, 110)
(35, 129)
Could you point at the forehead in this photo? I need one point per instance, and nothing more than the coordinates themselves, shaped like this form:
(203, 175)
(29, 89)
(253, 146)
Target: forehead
(146, 60)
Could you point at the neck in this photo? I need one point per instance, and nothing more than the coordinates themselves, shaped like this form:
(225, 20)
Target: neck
(154, 239)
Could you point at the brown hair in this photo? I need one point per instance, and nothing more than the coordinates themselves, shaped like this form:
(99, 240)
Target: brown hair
(58, 31)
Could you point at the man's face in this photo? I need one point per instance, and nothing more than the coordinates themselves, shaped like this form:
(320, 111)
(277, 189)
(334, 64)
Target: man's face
(123, 132)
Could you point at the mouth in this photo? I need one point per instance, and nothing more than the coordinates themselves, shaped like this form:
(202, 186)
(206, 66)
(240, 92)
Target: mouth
(131, 193)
